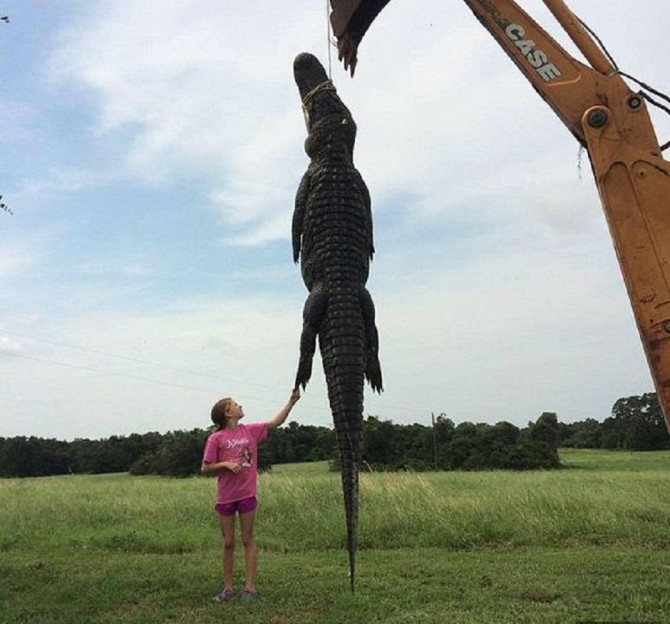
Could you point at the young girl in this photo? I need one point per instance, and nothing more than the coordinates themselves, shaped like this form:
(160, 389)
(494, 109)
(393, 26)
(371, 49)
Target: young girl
(231, 452)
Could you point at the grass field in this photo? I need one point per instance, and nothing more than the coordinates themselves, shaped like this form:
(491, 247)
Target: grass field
(588, 543)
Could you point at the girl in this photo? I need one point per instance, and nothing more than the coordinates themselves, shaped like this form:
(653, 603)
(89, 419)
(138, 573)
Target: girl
(231, 452)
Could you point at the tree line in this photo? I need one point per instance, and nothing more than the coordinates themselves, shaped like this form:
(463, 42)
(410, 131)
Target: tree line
(636, 424)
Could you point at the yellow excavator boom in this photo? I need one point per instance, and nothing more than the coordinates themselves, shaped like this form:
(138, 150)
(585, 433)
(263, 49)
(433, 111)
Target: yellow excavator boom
(611, 121)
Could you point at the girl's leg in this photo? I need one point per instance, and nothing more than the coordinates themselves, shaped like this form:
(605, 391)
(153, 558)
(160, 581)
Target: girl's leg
(227, 525)
(247, 521)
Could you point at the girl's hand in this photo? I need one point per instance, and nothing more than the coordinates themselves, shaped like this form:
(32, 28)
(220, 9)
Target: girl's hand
(295, 397)
(279, 419)
(232, 466)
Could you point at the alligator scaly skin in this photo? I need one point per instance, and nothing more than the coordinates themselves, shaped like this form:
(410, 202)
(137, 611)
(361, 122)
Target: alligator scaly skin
(332, 236)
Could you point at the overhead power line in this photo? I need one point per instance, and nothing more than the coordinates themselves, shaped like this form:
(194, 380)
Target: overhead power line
(134, 360)
(407, 409)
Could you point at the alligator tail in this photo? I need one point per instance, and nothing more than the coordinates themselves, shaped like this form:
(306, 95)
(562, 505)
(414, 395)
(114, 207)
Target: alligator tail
(342, 317)
(349, 462)
(342, 341)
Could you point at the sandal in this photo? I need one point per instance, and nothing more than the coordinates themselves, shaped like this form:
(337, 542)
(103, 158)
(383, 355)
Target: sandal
(224, 594)
(247, 594)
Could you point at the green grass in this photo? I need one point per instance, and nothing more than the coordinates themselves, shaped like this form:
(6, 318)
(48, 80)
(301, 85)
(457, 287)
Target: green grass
(586, 543)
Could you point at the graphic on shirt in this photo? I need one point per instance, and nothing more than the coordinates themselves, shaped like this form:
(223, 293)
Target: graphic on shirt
(247, 460)
(244, 455)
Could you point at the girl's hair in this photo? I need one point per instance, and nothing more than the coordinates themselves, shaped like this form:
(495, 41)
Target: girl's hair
(219, 412)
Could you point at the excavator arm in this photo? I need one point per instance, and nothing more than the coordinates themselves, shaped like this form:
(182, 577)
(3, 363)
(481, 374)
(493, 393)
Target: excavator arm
(611, 121)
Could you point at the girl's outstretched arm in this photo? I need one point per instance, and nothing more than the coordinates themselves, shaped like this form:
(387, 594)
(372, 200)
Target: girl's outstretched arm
(282, 415)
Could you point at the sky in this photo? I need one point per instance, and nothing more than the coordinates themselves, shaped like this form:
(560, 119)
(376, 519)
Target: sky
(150, 156)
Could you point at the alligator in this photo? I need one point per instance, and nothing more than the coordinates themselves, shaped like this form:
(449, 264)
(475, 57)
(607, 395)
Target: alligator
(332, 237)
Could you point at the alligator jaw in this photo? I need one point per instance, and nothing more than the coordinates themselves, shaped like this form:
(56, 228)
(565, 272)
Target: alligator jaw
(308, 73)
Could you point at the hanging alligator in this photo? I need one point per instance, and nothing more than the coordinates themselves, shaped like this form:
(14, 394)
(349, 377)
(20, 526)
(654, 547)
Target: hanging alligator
(332, 236)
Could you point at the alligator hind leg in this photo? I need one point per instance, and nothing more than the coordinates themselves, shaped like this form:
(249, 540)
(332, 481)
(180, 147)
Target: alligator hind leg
(373, 371)
(312, 315)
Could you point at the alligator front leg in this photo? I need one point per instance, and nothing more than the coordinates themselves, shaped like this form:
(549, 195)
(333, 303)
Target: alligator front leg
(299, 214)
(365, 195)
(312, 315)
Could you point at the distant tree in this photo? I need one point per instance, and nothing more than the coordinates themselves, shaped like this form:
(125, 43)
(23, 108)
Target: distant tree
(179, 454)
(378, 442)
(415, 447)
(545, 432)
(640, 423)
(583, 434)
(279, 448)
(33, 457)
(612, 433)
(530, 455)
(324, 444)
(442, 433)
(309, 443)
(498, 441)
(103, 456)
(463, 450)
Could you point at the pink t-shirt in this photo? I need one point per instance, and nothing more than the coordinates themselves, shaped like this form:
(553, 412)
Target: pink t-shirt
(240, 446)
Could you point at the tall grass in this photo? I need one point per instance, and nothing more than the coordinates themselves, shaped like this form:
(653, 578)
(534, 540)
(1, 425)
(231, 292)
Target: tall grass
(601, 499)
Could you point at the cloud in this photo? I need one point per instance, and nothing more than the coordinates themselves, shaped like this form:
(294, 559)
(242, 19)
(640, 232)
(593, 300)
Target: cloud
(157, 370)
(209, 93)
(57, 181)
(507, 336)
(123, 266)
(199, 92)
(16, 258)
(23, 117)
(9, 346)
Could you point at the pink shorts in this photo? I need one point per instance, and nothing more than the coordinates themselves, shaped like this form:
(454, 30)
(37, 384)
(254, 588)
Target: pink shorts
(243, 506)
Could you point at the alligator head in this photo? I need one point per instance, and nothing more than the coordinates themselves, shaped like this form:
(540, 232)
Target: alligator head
(328, 120)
